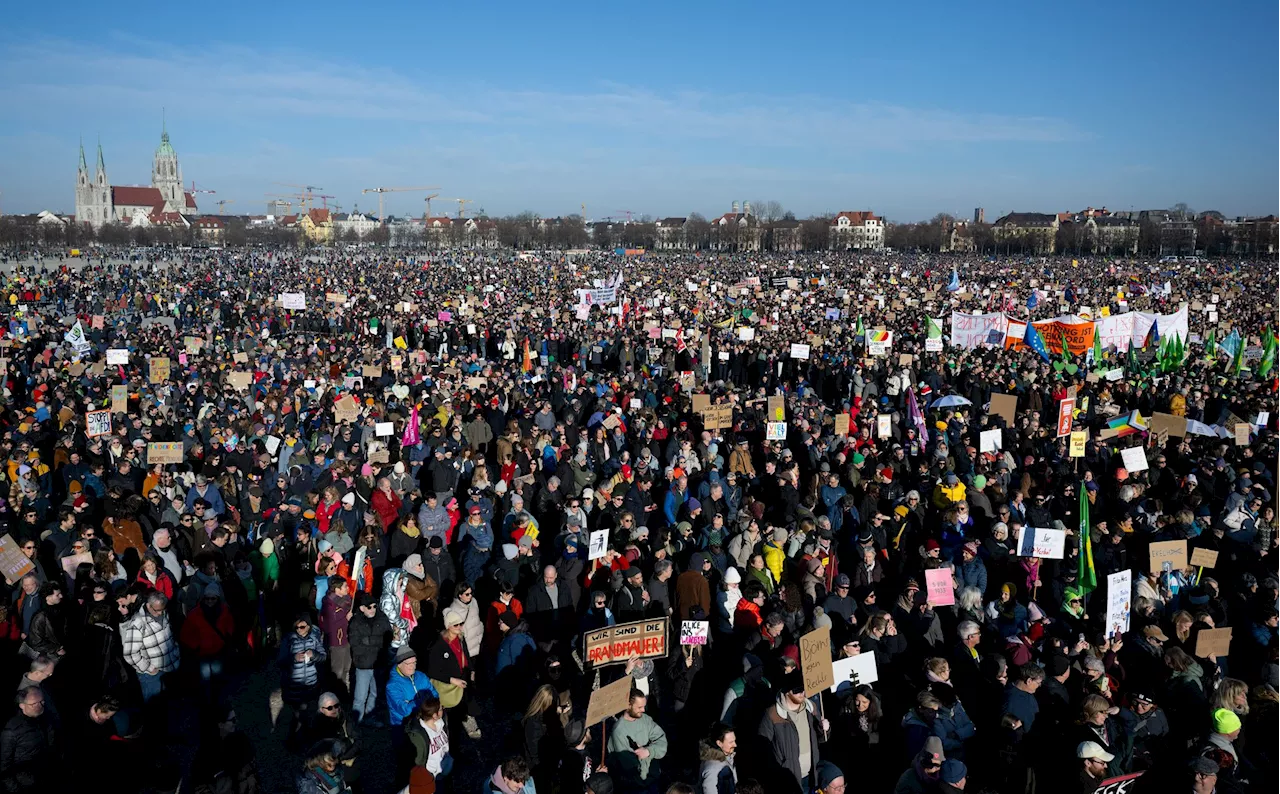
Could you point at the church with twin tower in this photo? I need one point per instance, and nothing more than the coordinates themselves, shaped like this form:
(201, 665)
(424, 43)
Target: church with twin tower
(99, 202)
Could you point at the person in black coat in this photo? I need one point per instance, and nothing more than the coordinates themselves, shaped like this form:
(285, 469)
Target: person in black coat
(549, 608)
(439, 566)
(369, 633)
(449, 663)
(27, 751)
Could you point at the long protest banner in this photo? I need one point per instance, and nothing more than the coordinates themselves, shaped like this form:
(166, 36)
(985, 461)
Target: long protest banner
(617, 644)
(1116, 332)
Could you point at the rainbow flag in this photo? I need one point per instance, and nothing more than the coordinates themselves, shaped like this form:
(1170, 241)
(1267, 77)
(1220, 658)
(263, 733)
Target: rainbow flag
(1127, 424)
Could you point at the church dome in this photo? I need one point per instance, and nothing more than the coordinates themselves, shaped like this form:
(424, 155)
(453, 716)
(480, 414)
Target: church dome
(164, 149)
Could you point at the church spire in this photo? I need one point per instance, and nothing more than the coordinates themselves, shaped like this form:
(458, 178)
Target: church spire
(102, 166)
(83, 165)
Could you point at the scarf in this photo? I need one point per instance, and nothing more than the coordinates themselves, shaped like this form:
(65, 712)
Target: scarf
(411, 530)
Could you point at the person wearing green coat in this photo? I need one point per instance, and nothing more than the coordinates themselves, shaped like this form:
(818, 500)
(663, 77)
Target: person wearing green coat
(636, 746)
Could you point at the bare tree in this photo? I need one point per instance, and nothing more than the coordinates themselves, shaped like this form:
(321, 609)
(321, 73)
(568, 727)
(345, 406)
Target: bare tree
(767, 211)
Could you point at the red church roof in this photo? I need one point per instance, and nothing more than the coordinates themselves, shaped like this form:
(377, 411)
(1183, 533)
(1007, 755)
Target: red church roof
(136, 196)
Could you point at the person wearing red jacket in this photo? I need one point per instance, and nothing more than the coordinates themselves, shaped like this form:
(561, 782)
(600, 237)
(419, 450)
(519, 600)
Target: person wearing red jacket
(329, 505)
(206, 635)
(386, 504)
(155, 576)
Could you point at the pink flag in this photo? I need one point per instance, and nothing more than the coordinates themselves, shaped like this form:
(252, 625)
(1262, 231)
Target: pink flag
(410, 436)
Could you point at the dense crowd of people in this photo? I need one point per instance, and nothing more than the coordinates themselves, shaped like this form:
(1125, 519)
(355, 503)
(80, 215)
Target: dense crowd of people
(406, 489)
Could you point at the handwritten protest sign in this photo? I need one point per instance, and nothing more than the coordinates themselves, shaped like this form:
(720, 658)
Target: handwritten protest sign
(240, 381)
(346, 410)
(1135, 459)
(777, 409)
(1044, 543)
(293, 300)
(776, 431)
(1119, 586)
(13, 563)
(119, 399)
(384, 429)
(1213, 642)
(164, 452)
(694, 632)
(799, 350)
(939, 587)
(718, 417)
(815, 661)
(158, 369)
(609, 700)
(97, 423)
(118, 356)
(1203, 558)
(884, 427)
(842, 425)
(1078, 440)
(989, 440)
(1171, 552)
(617, 644)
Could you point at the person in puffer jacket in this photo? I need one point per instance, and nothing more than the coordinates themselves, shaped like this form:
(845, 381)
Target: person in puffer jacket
(301, 653)
(716, 771)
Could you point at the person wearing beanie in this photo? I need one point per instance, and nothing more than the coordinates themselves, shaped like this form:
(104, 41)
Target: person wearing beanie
(727, 601)
(1219, 747)
(598, 783)
(953, 775)
(925, 770)
(775, 552)
(369, 631)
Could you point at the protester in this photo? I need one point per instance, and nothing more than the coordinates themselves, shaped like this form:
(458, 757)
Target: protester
(464, 461)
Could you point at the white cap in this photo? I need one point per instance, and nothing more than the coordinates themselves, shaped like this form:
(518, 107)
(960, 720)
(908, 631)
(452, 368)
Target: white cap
(732, 576)
(1093, 750)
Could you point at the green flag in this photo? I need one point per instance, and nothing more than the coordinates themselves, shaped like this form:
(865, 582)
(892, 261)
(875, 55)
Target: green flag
(1087, 580)
(1211, 346)
(1268, 361)
(860, 331)
(1237, 361)
(934, 326)
(1097, 348)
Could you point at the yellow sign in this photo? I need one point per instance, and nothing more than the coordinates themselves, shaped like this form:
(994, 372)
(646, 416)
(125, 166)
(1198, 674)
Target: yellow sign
(1078, 440)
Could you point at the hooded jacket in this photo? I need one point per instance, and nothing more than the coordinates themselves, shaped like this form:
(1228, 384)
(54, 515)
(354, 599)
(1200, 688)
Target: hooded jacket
(782, 736)
(716, 771)
(692, 588)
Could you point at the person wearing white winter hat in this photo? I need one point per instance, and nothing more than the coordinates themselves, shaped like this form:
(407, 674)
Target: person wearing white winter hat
(727, 602)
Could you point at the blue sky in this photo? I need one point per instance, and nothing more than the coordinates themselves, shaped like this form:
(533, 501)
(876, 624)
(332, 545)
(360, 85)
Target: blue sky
(660, 108)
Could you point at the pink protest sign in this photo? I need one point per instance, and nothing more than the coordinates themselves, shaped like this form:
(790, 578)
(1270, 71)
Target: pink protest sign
(939, 587)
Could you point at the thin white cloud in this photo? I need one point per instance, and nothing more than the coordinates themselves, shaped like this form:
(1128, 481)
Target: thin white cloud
(230, 83)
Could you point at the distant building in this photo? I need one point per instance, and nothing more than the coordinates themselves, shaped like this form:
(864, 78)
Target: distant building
(317, 225)
(669, 234)
(278, 208)
(210, 228)
(356, 222)
(857, 230)
(98, 202)
(979, 215)
(736, 231)
(785, 235)
(1030, 232)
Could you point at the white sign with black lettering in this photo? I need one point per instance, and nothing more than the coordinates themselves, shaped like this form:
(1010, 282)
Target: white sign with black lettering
(694, 632)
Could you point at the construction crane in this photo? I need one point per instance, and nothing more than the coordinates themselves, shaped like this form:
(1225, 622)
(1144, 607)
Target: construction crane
(381, 191)
(462, 205)
(324, 199)
(306, 198)
(223, 203)
(196, 190)
(427, 217)
(628, 213)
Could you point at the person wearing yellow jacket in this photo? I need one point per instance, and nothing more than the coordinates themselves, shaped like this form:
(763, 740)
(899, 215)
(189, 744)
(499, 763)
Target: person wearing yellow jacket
(775, 553)
(948, 492)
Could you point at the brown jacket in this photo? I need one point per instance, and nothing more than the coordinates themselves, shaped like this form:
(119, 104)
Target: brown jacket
(125, 534)
(692, 589)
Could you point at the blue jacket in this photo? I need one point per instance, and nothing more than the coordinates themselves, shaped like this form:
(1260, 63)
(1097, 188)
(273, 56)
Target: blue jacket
(512, 648)
(672, 503)
(954, 728)
(972, 574)
(1022, 705)
(403, 693)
